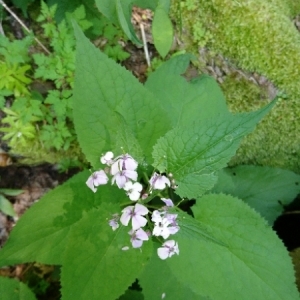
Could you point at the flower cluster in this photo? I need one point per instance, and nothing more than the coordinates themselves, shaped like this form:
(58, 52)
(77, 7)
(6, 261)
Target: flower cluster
(123, 172)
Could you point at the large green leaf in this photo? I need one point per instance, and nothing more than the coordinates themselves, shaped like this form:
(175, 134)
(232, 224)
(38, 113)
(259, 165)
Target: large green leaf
(184, 101)
(264, 188)
(95, 266)
(252, 264)
(104, 92)
(41, 234)
(12, 289)
(193, 153)
(157, 280)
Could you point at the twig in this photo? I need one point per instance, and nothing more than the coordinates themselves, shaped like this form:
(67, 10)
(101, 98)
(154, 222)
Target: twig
(145, 44)
(24, 26)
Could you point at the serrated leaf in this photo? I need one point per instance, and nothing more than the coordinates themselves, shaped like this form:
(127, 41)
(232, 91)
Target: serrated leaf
(194, 153)
(94, 265)
(254, 264)
(41, 234)
(103, 92)
(162, 31)
(184, 101)
(264, 188)
(12, 289)
(157, 280)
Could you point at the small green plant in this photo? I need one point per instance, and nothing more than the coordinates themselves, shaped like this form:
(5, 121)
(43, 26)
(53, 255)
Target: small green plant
(41, 113)
(5, 206)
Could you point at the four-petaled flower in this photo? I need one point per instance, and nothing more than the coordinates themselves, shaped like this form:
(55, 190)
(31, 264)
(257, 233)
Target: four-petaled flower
(124, 176)
(168, 249)
(159, 182)
(135, 213)
(138, 237)
(96, 179)
(133, 190)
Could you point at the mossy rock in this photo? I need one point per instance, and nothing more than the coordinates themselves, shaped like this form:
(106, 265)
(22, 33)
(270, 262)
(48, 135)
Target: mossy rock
(252, 38)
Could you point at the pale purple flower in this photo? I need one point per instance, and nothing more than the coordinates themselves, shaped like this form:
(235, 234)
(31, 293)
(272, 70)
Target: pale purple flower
(135, 213)
(123, 162)
(106, 159)
(114, 222)
(126, 162)
(165, 223)
(162, 229)
(157, 216)
(159, 182)
(96, 179)
(133, 190)
(168, 202)
(124, 176)
(168, 249)
(138, 237)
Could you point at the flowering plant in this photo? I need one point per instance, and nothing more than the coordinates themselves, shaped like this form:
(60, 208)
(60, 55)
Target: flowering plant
(152, 208)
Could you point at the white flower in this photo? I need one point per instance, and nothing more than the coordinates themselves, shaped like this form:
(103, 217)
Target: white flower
(96, 179)
(165, 223)
(162, 229)
(138, 237)
(135, 213)
(168, 249)
(106, 159)
(124, 176)
(133, 190)
(159, 182)
(123, 162)
(126, 162)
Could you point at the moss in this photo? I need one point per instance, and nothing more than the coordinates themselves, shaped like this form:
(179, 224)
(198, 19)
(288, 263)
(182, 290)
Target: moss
(258, 36)
(275, 140)
(35, 153)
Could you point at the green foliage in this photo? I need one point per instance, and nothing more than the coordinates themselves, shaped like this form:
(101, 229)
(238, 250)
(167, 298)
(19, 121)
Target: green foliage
(119, 12)
(248, 254)
(12, 289)
(163, 39)
(108, 94)
(222, 239)
(266, 189)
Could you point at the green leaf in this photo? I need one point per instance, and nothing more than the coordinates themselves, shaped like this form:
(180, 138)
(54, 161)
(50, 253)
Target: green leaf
(194, 153)
(157, 280)
(162, 31)
(11, 192)
(254, 264)
(94, 265)
(183, 101)
(6, 207)
(264, 188)
(12, 289)
(103, 92)
(119, 13)
(41, 233)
